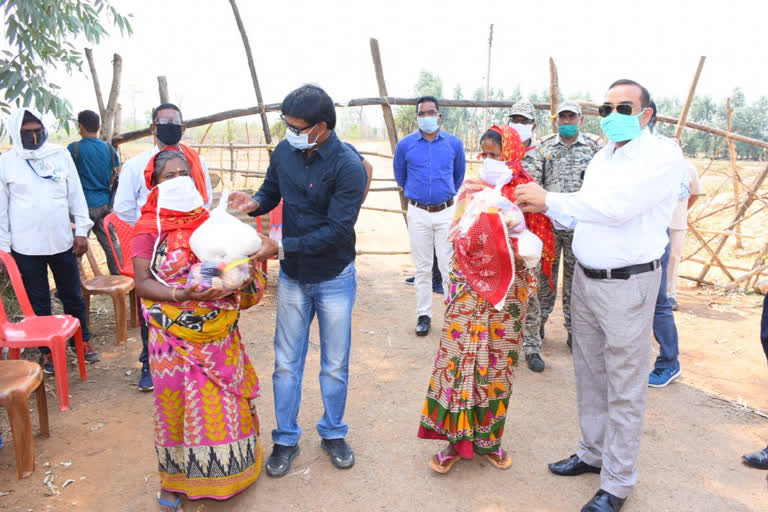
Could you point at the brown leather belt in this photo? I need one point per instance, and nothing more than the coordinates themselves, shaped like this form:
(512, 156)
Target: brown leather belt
(432, 208)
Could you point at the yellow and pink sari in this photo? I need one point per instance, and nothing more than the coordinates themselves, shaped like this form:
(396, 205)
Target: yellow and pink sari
(206, 429)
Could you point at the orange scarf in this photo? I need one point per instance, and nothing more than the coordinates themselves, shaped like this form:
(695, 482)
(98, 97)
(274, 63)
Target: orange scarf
(178, 225)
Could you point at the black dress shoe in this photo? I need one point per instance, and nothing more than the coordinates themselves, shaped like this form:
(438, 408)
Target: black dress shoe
(422, 325)
(341, 453)
(535, 362)
(572, 466)
(604, 502)
(279, 463)
(757, 460)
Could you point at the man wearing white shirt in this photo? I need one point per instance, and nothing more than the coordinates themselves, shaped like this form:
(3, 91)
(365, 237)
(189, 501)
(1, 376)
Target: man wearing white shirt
(39, 191)
(167, 128)
(620, 218)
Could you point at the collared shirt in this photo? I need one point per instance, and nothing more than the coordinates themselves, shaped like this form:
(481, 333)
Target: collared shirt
(566, 163)
(35, 211)
(534, 162)
(94, 162)
(621, 214)
(132, 189)
(321, 197)
(430, 172)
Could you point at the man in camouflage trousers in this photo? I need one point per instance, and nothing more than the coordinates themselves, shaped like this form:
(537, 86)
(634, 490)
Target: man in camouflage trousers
(522, 118)
(567, 155)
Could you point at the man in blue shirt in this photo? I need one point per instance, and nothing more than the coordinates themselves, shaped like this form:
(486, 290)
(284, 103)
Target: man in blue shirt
(321, 182)
(95, 161)
(429, 166)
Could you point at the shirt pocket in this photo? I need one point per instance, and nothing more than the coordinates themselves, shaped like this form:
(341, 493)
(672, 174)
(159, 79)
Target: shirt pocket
(320, 192)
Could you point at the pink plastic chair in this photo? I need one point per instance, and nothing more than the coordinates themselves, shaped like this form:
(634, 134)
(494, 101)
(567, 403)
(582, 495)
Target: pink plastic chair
(41, 331)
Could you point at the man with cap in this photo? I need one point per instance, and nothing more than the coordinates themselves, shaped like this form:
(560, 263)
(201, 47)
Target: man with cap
(39, 191)
(522, 118)
(570, 152)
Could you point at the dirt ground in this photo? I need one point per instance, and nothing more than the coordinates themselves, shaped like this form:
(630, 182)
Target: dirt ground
(689, 461)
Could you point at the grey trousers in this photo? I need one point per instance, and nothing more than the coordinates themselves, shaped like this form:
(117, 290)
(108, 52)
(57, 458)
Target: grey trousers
(611, 321)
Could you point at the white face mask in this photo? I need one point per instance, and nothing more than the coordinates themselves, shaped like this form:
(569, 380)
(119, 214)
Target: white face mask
(495, 172)
(179, 194)
(301, 141)
(524, 130)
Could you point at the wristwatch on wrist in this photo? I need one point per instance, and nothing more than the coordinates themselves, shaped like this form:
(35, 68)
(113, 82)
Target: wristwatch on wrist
(280, 253)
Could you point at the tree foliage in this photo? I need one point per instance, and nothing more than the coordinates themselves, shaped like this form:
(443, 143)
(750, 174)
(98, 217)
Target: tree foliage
(39, 34)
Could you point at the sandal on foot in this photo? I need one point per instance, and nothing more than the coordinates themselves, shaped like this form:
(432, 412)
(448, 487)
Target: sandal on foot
(500, 459)
(165, 503)
(442, 464)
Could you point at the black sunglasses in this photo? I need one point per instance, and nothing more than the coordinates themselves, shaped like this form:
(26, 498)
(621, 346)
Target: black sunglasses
(295, 129)
(624, 109)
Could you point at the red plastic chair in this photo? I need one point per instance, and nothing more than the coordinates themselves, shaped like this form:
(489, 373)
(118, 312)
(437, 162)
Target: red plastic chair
(41, 331)
(120, 234)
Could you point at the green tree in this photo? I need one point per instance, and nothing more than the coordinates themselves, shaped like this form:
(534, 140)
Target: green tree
(427, 84)
(39, 35)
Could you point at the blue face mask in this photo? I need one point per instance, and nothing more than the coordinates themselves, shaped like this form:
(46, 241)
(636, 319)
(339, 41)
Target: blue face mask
(568, 130)
(428, 124)
(301, 141)
(619, 127)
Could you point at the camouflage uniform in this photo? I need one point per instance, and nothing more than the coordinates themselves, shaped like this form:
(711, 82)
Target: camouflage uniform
(564, 172)
(534, 163)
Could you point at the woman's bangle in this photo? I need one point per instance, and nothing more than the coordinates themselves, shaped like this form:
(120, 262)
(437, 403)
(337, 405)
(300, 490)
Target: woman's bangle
(173, 294)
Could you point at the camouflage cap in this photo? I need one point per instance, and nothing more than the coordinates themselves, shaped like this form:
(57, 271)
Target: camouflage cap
(569, 106)
(523, 108)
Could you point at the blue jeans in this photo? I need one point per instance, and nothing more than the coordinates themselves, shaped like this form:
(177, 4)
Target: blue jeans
(664, 329)
(66, 275)
(297, 304)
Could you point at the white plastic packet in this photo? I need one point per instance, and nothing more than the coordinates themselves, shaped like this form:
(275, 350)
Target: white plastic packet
(529, 247)
(223, 237)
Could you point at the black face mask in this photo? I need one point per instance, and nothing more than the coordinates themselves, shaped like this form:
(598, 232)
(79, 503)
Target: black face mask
(33, 139)
(169, 134)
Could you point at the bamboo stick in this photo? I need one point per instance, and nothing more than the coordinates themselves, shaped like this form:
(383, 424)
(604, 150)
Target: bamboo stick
(488, 76)
(715, 258)
(389, 210)
(691, 92)
(252, 69)
(734, 171)
(735, 283)
(554, 93)
(732, 267)
(388, 253)
(742, 209)
(389, 118)
(696, 279)
(386, 189)
(162, 88)
(722, 232)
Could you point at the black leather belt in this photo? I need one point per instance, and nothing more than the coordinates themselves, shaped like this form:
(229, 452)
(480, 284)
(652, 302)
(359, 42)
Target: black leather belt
(621, 273)
(432, 208)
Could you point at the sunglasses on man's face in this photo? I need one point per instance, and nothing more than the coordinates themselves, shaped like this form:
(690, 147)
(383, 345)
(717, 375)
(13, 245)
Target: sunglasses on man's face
(295, 129)
(624, 109)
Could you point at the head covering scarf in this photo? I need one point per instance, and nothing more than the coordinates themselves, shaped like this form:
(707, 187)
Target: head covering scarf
(483, 253)
(179, 226)
(13, 124)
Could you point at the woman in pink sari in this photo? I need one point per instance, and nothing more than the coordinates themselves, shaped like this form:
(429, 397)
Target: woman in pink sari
(206, 429)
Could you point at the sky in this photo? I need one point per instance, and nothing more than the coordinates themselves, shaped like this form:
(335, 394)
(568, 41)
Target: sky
(196, 44)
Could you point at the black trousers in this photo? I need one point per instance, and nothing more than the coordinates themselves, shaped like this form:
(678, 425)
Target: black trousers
(66, 275)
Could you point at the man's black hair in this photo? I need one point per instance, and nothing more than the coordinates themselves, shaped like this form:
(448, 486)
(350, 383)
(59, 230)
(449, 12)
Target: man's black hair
(645, 96)
(492, 135)
(425, 99)
(312, 104)
(163, 107)
(90, 120)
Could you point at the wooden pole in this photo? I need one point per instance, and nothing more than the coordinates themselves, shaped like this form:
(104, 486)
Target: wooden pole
(554, 93)
(96, 85)
(108, 120)
(118, 118)
(162, 88)
(252, 68)
(734, 170)
(691, 92)
(742, 209)
(735, 283)
(389, 118)
(488, 76)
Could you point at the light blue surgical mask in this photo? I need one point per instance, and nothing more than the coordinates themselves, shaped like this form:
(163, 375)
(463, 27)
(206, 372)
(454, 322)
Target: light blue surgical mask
(428, 124)
(620, 127)
(300, 141)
